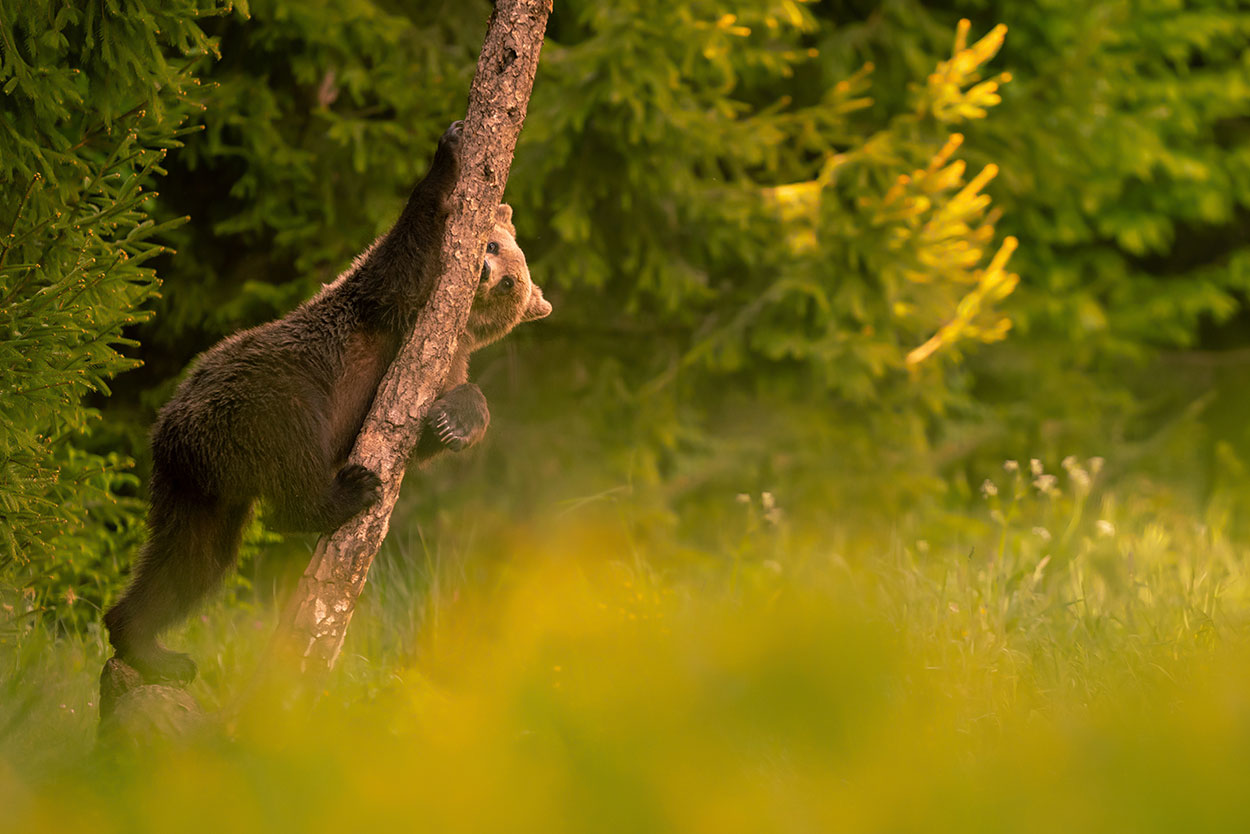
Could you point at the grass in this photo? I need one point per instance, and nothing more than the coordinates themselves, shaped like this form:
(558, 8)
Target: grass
(1061, 657)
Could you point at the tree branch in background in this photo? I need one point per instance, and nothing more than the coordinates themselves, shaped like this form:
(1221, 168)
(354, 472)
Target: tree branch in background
(315, 622)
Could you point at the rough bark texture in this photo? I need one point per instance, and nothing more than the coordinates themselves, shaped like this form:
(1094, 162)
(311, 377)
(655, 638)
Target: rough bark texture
(316, 621)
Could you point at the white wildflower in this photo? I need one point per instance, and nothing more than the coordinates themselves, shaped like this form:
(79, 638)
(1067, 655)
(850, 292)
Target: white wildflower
(1011, 466)
(1105, 528)
(1095, 465)
(989, 489)
(1046, 484)
(1035, 466)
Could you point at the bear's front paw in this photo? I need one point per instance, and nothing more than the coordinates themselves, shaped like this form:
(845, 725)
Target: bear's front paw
(452, 137)
(459, 417)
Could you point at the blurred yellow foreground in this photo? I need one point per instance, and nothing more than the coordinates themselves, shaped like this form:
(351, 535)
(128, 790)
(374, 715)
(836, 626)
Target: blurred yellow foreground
(586, 691)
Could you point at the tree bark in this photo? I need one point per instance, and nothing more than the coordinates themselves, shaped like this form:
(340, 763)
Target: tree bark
(315, 623)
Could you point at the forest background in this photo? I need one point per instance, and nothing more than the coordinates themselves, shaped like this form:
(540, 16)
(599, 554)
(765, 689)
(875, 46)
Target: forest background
(883, 342)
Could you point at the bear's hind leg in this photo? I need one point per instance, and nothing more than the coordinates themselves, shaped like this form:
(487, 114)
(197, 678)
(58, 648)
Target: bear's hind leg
(192, 541)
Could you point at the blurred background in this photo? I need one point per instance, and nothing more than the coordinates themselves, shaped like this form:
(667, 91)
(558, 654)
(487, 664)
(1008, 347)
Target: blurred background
(886, 448)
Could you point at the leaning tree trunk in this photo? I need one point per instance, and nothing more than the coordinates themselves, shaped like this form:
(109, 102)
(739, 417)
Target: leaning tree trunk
(316, 621)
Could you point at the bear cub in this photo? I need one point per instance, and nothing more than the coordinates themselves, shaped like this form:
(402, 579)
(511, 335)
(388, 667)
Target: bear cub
(273, 412)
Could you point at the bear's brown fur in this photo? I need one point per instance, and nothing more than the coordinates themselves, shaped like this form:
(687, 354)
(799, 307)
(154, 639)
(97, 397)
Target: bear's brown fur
(273, 412)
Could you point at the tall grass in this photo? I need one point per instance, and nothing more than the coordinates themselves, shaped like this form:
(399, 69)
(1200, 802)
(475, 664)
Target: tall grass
(1060, 658)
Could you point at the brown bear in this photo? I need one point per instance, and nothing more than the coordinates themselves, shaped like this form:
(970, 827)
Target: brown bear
(273, 412)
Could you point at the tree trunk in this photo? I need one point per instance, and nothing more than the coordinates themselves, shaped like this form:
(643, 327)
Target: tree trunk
(315, 622)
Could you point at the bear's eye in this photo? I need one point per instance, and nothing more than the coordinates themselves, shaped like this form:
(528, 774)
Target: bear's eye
(492, 248)
(506, 282)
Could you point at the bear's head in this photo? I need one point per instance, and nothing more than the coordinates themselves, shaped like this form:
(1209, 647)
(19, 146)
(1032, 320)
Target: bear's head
(505, 294)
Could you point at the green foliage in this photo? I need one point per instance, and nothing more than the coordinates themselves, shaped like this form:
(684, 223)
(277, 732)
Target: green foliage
(696, 180)
(320, 118)
(93, 98)
(1125, 163)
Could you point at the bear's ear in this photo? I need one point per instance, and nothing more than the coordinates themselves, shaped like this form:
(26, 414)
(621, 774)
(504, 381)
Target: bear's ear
(503, 217)
(539, 307)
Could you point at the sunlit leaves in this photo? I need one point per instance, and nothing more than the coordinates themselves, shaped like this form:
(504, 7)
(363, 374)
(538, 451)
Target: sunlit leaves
(944, 95)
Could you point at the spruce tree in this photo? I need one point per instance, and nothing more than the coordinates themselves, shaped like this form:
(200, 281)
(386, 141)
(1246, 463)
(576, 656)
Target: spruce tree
(92, 98)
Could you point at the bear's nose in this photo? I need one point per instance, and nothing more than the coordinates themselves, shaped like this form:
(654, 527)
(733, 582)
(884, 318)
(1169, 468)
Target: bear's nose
(485, 273)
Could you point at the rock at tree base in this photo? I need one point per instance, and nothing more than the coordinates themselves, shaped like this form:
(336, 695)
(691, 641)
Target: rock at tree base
(134, 713)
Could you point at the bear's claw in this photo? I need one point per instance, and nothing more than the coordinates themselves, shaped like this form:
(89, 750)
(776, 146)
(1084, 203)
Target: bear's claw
(459, 418)
(452, 434)
(452, 136)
